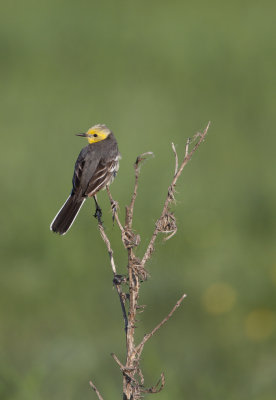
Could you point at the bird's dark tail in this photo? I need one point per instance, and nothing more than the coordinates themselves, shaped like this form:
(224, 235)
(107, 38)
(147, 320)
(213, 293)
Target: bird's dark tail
(66, 215)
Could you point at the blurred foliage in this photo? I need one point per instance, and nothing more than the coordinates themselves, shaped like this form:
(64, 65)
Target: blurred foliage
(154, 72)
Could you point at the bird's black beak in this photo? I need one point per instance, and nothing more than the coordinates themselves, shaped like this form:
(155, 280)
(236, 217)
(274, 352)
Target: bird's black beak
(81, 134)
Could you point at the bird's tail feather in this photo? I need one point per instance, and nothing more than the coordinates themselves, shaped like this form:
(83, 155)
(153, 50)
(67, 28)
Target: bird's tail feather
(66, 215)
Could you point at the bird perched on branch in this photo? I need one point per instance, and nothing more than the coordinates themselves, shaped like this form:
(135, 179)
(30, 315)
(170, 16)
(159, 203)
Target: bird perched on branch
(95, 168)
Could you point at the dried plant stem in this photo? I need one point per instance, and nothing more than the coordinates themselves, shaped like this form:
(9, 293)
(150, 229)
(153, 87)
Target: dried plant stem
(176, 159)
(114, 209)
(113, 266)
(140, 347)
(130, 208)
(109, 249)
(133, 379)
(171, 189)
(134, 286)
(96, 390)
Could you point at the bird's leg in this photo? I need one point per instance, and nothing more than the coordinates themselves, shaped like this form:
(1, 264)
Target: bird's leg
(98, 213)
(114, 210)
(114, 204)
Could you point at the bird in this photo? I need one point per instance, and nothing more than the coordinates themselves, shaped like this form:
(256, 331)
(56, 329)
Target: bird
(95, 169)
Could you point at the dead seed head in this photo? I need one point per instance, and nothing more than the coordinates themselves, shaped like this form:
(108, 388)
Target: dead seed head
(130, 239)
(139, 269)
(167, 223)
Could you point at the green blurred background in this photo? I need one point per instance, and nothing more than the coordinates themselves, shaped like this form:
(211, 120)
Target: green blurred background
(154, 72)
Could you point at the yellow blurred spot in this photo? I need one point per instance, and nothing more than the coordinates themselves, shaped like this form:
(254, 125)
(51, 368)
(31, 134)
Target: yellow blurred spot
(273, 274)
(259, 324)
(219, 298)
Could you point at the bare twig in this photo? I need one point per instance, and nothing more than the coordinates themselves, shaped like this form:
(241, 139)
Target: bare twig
(109, 249)
(171, 189)
(156, 389)
(96, 390)
(122, 302)
(114, 209)
(140, 346)
(125, 370)
(141, 376)
(115, 358)
(113, 266)
(189, 155)
(130, 208)
(187, 147)
(171, 235)
(176, 159)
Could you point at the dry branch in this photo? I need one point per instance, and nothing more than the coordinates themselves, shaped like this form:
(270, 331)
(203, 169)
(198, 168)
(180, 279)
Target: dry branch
(156, 389)
(140, 347)
(171, 189)
(130, 208)
(113, 266)
(96, 390)
(133, 379)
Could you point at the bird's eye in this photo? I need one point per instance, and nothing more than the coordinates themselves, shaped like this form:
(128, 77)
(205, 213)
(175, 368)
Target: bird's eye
(95, 135)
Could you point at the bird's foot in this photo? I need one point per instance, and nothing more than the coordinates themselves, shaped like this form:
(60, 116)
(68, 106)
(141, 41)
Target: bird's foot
(119, 279)
(98, 214)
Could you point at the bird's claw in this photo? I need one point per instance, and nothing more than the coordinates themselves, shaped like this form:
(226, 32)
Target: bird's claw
(98, 214)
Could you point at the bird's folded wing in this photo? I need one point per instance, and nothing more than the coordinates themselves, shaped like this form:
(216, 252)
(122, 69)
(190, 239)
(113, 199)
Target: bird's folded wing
(86, 165)
(100, 177)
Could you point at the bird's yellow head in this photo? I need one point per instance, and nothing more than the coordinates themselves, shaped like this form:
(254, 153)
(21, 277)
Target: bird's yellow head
(96, 133)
